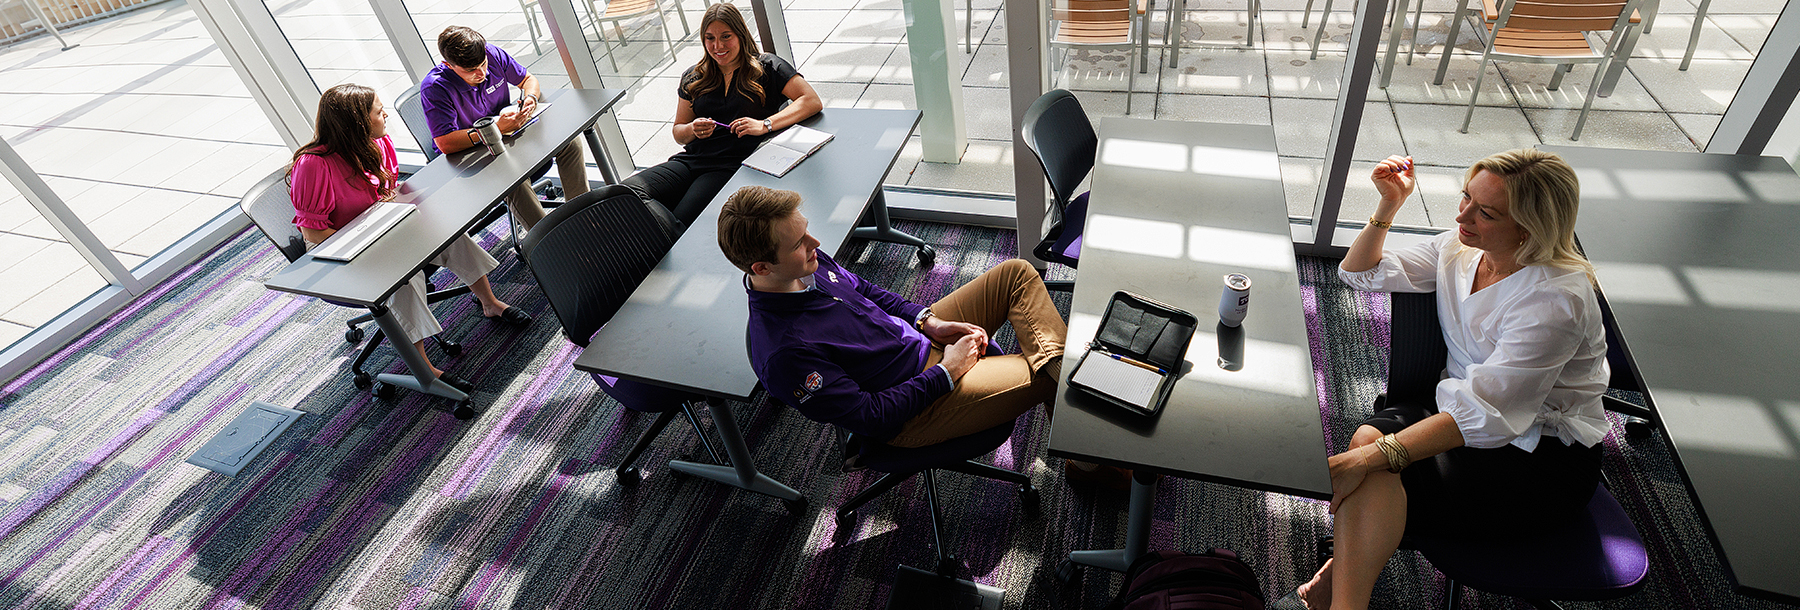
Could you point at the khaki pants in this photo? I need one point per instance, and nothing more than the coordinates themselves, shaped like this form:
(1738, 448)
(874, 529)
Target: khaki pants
(999, 388)
(466, 259)
(570, 166)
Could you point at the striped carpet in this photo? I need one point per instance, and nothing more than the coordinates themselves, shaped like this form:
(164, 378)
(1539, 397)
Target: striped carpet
(377, 504)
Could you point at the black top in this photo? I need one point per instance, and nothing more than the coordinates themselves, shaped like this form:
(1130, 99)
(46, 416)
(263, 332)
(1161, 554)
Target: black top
(723, 150)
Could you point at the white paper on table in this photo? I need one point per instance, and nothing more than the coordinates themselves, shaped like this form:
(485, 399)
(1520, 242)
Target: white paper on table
(1132, 384)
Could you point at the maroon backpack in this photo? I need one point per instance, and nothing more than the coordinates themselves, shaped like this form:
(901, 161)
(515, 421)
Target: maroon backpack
(1173, 580)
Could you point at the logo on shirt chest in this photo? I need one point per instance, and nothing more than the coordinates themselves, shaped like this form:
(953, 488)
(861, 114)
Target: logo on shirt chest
(491, 87)
(831, 275)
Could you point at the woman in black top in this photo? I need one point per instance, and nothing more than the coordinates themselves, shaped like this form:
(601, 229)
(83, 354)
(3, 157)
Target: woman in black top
(729, 101)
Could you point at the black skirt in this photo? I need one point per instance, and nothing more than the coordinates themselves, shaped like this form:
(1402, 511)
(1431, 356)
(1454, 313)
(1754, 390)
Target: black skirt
(1469, 491)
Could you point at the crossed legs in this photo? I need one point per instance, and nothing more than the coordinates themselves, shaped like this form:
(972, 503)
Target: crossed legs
(570, 166)
(1366, 532)
(999, 388)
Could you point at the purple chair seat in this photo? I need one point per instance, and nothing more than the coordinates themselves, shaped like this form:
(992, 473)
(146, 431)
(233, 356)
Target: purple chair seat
(643, 397)
(1597, 557)
(1068, 242)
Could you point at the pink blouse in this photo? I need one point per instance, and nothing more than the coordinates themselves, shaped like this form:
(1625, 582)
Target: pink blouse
(326, 197)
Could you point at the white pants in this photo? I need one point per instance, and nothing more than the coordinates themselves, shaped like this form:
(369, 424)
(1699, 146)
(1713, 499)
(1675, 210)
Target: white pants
(466, 259)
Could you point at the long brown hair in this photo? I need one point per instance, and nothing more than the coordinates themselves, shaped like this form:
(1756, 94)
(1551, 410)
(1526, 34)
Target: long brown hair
(707, 76)
(342, 128)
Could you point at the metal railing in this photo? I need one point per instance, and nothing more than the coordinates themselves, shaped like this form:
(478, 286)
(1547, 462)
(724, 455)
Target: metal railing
(18, 21)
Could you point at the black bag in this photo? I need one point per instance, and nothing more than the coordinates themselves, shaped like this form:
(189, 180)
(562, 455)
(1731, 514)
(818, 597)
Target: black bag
(1173, 580)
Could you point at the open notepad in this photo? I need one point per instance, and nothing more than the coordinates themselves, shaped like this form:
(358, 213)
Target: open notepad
(782, 152)
(1126, 382)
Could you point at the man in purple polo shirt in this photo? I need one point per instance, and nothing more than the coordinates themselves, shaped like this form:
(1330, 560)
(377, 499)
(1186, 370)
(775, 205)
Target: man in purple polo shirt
(470, 84)
(844, 351)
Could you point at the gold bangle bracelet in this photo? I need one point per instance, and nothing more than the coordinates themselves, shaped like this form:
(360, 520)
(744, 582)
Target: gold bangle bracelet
(1396, 454)
(1379, 223)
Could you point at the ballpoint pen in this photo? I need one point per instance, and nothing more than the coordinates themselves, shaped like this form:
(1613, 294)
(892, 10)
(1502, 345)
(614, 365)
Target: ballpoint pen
(1133, 362)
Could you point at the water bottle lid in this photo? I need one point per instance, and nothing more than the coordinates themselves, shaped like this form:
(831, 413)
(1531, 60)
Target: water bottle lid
(1237, 281)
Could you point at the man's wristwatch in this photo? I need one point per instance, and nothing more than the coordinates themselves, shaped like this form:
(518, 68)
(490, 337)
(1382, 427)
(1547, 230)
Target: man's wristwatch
(768, 126)
(920, 323)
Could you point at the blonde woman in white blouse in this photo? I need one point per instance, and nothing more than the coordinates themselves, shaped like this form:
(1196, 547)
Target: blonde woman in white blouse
(1510, 438)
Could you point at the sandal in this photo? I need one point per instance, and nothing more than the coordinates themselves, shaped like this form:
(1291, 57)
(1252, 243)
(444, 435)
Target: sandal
(513, 316)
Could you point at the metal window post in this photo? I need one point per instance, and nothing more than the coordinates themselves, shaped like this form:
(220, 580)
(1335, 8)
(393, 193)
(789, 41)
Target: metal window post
(67, 224)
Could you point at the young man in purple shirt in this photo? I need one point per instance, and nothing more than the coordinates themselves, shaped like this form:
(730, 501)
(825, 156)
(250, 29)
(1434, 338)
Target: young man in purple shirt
(844, 351)
(470, 84)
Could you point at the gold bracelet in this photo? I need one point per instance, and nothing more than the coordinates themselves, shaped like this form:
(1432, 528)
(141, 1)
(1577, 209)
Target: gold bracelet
(1396, 454)
(1380, 223)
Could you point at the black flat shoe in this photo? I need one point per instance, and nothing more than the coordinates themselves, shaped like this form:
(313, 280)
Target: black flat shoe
(467, 387)
(513, 316)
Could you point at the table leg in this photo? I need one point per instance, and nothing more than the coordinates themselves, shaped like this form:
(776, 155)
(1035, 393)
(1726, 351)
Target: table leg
(883, 230)
(421, 379)
(742, 472)
(1394, 27)
(606, 171)
(1137, 529)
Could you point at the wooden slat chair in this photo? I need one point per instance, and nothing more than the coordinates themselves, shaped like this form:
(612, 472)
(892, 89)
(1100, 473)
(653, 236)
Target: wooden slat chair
(615, 11)
(1096, 24)
(1560, 32)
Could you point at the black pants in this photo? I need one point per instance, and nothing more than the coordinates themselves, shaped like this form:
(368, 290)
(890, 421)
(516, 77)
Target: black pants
(1502, 491)
(682, 186)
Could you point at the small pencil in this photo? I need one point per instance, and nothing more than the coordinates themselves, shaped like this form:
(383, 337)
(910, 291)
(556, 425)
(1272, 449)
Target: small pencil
(725, 125)
(1134, 362)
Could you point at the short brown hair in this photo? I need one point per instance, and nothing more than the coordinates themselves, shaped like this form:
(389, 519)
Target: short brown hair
(462, 47)
(747, 223)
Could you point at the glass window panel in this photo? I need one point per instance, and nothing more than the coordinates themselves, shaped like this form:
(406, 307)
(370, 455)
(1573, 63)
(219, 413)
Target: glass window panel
(43, 275)
(340, 41)
(144, 131)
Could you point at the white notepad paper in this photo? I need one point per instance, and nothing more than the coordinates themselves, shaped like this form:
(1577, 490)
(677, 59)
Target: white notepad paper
(1132, 384)
(782, 152)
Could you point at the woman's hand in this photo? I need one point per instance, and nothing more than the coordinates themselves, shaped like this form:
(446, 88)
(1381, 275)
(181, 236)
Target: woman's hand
(746, 126)
(1347, 472)
(702, 127)
(945, 332)
(1393, 177)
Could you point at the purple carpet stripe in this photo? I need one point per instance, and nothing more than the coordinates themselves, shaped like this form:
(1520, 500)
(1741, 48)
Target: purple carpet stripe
(414, 599)
(255, 307)
(127, 314)
(46, 586)
(206, 375)
(218, 523)
(251, 574)
(74, 527)
(345, 419)
(109, 589)
(683, 556)
(496, 440)
(336, 544)
(233, 275)
(493, 568)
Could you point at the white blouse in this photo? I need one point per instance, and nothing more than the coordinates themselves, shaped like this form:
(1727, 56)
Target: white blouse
(1527, 354)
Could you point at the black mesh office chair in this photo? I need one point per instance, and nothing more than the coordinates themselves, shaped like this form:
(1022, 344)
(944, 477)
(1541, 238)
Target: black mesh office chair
(1058, 133)
(269, 205)
(588, 256)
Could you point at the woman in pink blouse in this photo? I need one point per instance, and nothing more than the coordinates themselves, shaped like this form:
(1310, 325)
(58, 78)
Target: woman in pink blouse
(347, 167)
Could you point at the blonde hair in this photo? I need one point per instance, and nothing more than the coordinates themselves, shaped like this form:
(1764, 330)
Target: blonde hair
(747, 223)
(1543, 196)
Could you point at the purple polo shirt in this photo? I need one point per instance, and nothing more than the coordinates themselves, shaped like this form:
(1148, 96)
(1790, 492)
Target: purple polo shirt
(451, 104)
(844, 352)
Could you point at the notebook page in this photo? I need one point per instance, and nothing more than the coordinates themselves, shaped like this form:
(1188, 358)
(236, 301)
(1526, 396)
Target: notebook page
(1132, 384)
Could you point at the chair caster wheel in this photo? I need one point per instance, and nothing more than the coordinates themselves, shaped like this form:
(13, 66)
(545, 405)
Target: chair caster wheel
(630, 477)
(1029, 501)
(948, 566)
(795, 506)
(363, 381)
(385, 391)
(927, 256)
(463, 412)
(1637, 429)
(1067, 572)
(452, 348)
(353, 336)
